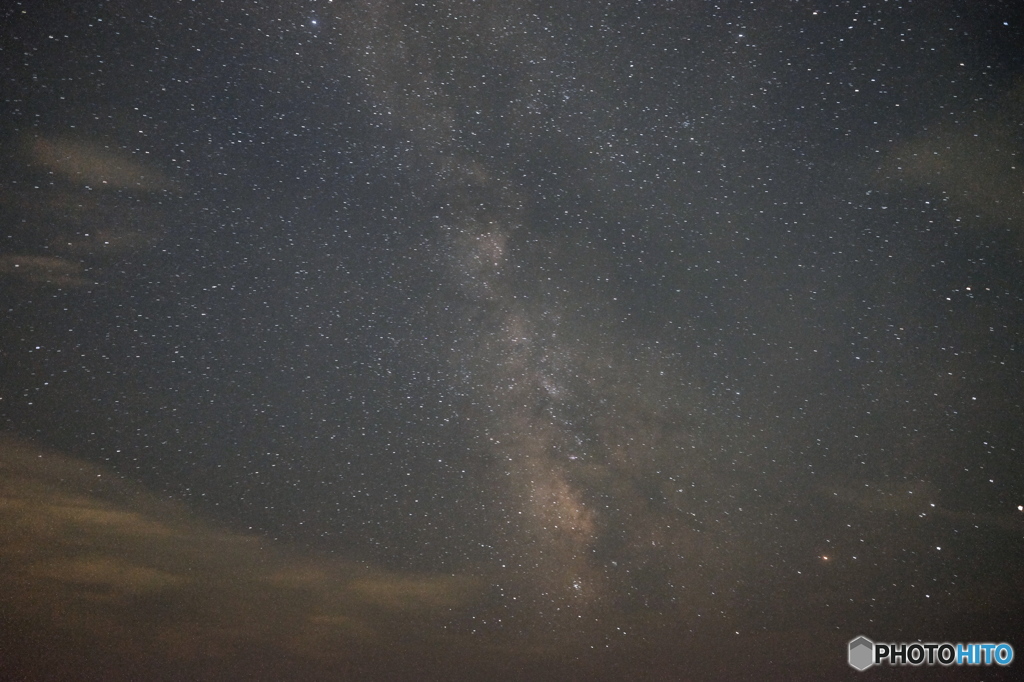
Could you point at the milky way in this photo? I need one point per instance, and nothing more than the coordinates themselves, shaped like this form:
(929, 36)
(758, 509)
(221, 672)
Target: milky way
(588, 432)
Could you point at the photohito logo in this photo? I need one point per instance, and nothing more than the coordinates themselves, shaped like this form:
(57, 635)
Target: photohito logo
(863, 653)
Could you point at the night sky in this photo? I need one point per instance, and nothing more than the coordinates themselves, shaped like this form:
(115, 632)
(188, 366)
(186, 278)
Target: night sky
(493, 339)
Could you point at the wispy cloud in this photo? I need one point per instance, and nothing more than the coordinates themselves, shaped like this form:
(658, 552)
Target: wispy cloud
(59, 272)
(84, 549)
(975, 164)
(97, 165)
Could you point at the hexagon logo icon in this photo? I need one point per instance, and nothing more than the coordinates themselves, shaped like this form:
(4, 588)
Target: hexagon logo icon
(862, 653)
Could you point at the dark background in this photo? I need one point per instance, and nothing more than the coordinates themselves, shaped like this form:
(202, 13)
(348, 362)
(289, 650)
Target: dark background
(701, 317)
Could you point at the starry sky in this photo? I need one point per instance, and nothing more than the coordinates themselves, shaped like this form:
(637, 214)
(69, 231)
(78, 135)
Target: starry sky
(589, 338)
